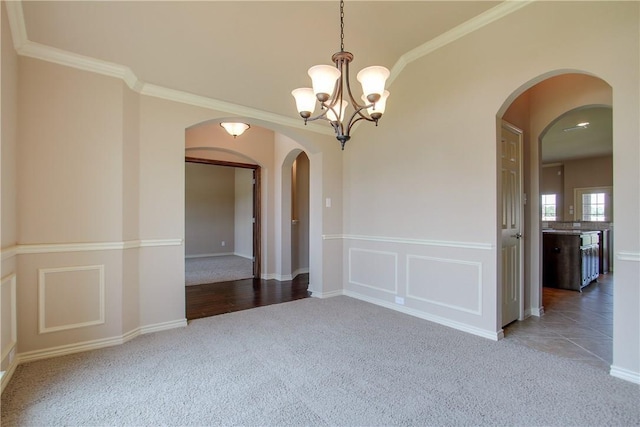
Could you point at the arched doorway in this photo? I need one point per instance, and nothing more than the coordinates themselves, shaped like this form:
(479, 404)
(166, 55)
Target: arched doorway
(534, 108)
(264, 149)
(293, 248)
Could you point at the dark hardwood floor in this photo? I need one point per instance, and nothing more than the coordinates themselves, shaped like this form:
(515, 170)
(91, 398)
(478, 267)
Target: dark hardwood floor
(225, 297)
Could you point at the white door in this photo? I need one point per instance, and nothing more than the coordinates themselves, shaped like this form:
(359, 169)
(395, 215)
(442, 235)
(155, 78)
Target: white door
(511, 220)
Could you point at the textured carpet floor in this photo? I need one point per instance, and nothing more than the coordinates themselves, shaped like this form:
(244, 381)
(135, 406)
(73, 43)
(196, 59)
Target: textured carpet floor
(217, 269)
(337, 361)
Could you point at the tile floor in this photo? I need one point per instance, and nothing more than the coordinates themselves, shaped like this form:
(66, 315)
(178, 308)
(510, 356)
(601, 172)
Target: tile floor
(576, 325)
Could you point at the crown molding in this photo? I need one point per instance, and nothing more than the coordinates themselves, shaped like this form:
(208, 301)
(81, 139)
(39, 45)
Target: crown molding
(16, 23)
(503, 9)
(228, 107)
(25, 47)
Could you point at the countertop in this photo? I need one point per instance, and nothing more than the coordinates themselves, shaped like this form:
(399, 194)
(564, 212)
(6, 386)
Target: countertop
(571, 232)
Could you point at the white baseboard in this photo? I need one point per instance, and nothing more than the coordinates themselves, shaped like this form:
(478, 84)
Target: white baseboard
(494, 336)
(326, 294)
(243, 256)
(165, 326)
(208, 255)
(8, 374)
(625, 374)
(283, 277)
(63, 350)
(300, 271)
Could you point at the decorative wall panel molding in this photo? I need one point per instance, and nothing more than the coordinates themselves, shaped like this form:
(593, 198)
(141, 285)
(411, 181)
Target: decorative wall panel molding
(374, 269)
(70, 297)
(450, 283)
(420, 242)
(8, 318)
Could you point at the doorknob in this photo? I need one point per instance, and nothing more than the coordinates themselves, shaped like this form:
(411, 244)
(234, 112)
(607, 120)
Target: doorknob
(517, 235)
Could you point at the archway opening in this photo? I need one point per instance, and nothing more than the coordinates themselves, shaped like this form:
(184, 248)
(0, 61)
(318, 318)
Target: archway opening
(542, 108)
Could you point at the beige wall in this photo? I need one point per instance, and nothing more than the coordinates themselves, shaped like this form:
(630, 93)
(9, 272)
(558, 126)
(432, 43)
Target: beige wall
(9, 108)
(563, 179)
(582, 173)
(423, 198)
(209, 209)
(414, 197)
(243, 214)
(8, 195)
(552, 182)
(58, 151)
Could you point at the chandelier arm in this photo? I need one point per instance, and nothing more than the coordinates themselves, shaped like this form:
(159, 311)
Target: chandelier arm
(322, 115)
(356, 117)
(355, 104)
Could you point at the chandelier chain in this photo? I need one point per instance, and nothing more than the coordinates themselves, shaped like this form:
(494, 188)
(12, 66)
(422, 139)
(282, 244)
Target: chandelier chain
(341, 25)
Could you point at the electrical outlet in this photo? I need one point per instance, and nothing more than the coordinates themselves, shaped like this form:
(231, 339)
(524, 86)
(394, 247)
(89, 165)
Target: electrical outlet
(400, 300)
(223, 243)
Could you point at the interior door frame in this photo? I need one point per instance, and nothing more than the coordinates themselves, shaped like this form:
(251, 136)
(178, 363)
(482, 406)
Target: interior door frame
(257, 229)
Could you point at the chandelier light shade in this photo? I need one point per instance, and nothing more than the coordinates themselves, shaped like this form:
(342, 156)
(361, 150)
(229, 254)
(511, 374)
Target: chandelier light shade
(235, 129)
(332, 90)
(377, 110)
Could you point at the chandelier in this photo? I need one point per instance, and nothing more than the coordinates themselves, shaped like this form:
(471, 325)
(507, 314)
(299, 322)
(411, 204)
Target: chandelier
(331, 88)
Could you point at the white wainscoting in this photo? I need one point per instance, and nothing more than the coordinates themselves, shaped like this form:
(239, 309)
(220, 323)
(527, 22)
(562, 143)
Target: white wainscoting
(374, 269)
(57, 289)
(9, 333)
(441, 281)
(452, 283)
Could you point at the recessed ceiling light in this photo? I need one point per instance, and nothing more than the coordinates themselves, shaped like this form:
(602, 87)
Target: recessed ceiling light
(582, 125)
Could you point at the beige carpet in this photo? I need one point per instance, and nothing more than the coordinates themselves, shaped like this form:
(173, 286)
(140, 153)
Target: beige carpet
(217, 269)
(325, 362)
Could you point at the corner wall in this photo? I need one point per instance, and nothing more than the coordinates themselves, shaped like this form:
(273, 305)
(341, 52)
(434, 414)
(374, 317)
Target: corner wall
(8, 199)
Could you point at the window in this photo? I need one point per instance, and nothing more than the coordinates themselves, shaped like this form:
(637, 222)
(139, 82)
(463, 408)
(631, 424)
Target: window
(549, 207)
(593, 207)
(593, 204)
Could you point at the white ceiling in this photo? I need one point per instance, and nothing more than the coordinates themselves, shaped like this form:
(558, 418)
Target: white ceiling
(595, 140)
(251, 54)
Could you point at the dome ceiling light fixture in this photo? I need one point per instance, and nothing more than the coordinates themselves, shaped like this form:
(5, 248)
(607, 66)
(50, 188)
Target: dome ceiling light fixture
(581, 125)
(331, 86)
(235, 129)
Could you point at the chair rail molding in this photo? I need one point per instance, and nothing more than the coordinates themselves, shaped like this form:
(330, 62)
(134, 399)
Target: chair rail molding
(402, 240)
(46, 248)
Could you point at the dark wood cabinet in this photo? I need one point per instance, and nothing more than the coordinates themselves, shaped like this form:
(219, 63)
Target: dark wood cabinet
(571, 259)
(605, 245)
